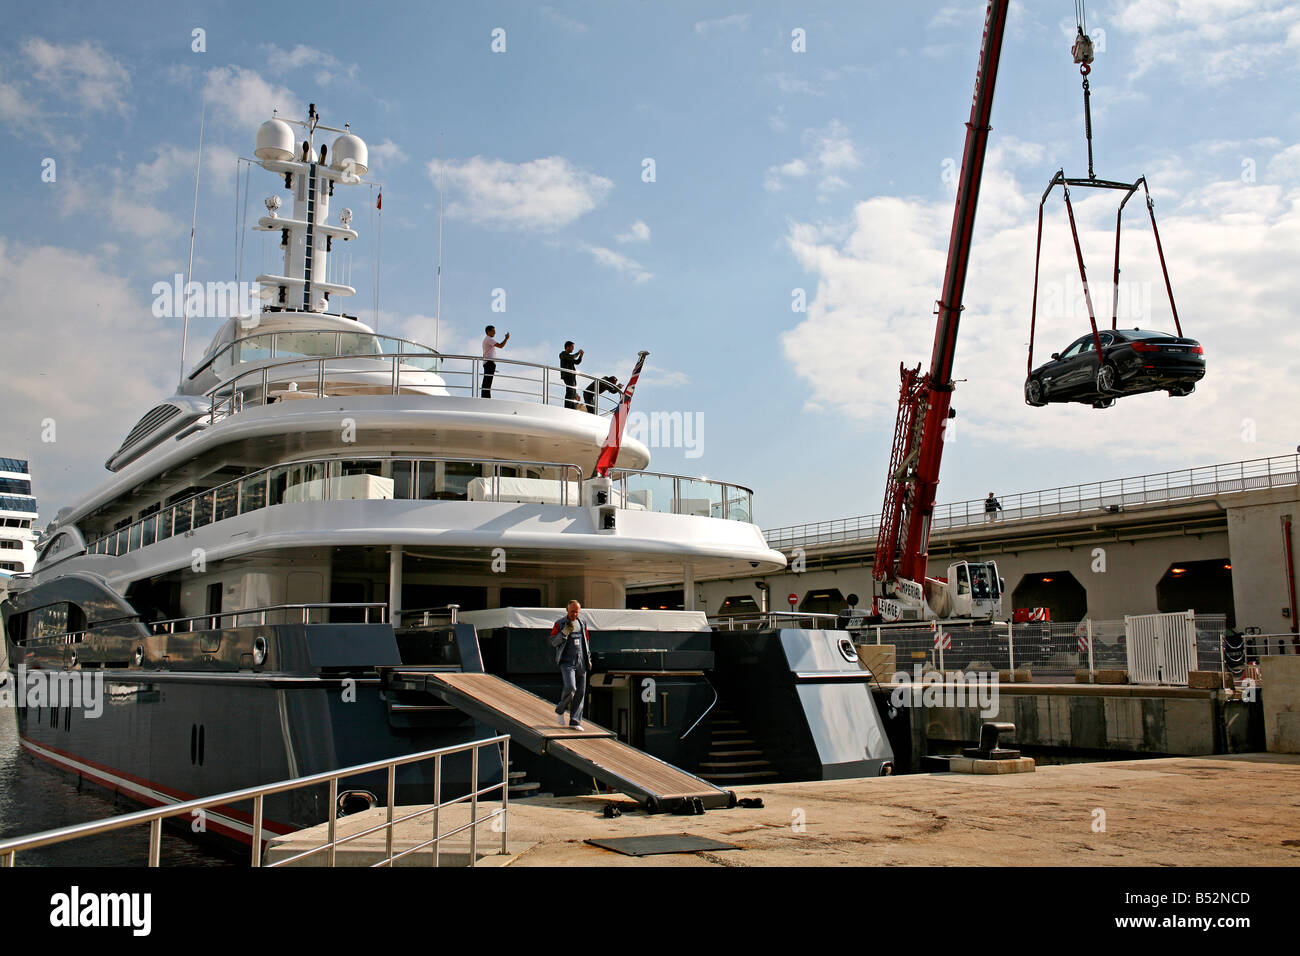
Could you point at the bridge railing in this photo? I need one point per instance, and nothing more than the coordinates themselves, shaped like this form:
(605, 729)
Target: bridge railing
(1106, 496)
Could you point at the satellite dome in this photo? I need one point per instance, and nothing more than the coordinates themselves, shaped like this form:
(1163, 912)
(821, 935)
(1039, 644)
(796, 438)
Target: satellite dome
(350, 149)
(274, 140)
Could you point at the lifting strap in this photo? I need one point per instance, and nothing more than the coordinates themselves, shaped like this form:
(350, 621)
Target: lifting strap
(1130, 189)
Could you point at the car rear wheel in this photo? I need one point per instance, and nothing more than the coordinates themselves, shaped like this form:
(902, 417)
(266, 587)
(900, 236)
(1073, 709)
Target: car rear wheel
(1034, 392)
(1106, 379)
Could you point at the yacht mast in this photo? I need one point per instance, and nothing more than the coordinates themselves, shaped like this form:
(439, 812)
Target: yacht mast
(194, 221)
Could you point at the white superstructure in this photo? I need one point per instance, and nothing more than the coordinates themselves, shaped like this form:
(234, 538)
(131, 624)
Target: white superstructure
(306, 459)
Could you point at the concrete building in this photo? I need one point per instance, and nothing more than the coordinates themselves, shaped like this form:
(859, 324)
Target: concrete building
(1212, 539)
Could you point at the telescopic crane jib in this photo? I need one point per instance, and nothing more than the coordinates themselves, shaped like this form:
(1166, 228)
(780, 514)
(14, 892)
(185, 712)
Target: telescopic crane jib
(902, 551)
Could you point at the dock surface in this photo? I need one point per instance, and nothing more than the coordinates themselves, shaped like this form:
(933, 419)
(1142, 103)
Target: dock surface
(1181, 811)
(1239, 810)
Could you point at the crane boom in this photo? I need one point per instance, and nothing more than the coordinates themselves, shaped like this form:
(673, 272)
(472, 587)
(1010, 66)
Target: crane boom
(902, 550)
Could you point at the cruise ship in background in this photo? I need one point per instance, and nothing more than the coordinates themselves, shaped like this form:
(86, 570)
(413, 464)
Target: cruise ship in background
(317, 503)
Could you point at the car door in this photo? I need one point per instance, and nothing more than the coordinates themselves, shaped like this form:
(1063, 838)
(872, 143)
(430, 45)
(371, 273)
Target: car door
(1058, 377)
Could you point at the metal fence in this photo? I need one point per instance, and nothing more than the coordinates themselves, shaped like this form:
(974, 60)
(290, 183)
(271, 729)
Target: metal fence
(1114, 495)
(1051, 651)
(326, 852)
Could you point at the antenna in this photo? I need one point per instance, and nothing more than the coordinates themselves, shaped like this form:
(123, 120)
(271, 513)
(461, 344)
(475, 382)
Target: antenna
(194, 220)
(437, 320)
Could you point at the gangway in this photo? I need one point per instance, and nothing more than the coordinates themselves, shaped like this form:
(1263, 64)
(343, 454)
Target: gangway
(530, 722)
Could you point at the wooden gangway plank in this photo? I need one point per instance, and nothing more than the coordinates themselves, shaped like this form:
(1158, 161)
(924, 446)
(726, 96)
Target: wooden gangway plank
(595, 750)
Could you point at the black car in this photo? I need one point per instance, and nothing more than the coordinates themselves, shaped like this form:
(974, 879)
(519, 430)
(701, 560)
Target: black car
(1133, 361)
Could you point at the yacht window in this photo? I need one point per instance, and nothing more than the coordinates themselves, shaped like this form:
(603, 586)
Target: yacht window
(203, 511)
(306, 344)
(252, 493)
(458, 475)
(165, 524)
(147, 530)
(227, 505)
(358, 343)
(402, 479)
(184, 520)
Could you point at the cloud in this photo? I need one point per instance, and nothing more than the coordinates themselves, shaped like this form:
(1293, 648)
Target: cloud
(537, 195)
(637, 232)
(617, 261)
(559, 19)
(736, 20)
(127, 200)
(69, 366)
(15, 106)
(828, 151)
(242, 97)
(389, 152)
(1285, 165)
(874, 290)
(81, 72)
(329, 68)
(1215, 42)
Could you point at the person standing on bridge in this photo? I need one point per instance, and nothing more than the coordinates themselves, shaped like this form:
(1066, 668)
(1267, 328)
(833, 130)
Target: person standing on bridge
(573, 655)
(490, 349)
(570, 360)
(991, 508)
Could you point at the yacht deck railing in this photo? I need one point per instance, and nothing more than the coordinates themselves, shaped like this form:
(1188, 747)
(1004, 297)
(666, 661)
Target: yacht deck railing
(398, 373)
(1107, 496)
(341, 478)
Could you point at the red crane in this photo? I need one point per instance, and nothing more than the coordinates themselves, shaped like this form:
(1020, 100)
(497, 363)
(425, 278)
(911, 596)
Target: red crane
(903, 545)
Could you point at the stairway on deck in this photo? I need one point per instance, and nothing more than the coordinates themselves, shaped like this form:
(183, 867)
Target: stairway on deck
(734, 757)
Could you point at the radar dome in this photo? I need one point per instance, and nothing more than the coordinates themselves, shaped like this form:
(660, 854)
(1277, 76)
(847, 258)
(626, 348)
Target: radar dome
(351, 150)
(274, 140)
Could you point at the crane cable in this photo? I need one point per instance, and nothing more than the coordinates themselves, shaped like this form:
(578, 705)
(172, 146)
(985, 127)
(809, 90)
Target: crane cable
(1082, 52)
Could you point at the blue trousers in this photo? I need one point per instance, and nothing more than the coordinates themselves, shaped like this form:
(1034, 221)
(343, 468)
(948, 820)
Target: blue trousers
(574, 675)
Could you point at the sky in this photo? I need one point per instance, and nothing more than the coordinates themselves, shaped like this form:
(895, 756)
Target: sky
(759, 195)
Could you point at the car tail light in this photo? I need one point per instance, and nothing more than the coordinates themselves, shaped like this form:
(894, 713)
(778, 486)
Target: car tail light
(1197, 350)
(1145, 347)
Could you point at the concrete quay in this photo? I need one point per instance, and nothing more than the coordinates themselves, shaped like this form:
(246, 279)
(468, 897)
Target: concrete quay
(1229, 810)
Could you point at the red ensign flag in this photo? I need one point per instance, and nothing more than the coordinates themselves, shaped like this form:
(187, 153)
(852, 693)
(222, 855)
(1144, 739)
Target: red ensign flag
(614, 440)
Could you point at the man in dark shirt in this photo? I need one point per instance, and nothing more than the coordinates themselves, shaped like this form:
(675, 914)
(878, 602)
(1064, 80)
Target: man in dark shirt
(573, 655)
(569, 360)
(607, 384)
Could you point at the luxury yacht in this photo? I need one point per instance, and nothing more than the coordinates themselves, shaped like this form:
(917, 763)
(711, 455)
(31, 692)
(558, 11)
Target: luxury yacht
(318, 504)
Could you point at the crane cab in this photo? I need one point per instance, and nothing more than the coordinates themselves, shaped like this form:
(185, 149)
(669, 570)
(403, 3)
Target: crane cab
(975, 590)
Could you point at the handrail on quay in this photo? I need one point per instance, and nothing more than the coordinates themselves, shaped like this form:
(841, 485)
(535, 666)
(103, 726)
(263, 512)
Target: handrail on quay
(1278, 471)
(9, 849)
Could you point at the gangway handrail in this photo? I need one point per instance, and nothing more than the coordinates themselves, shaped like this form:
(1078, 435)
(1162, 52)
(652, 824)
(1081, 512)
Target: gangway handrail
(11, 847)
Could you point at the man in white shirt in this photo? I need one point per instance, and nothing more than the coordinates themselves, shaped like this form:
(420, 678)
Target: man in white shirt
(490, 348)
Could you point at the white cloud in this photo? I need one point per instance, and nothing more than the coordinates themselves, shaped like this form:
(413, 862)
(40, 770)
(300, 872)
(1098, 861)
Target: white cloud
(389, 152)
(828, 151)
(243, 97)
(619, 262)
(1226, 244)
(540, 194)
(1212, 41)
(127, 200)
(1285, 165)
(15, 106)
(69, 366)
(559, 19)
(80, 72)
(637, 232)
(737, 20)
(329, 68)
